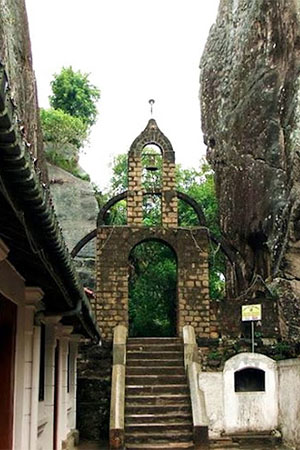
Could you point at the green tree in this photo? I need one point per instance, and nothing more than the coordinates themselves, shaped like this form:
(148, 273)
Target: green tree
(61, 129)
(119, 179)
(75, 95)
(199, 184)
(152, 290)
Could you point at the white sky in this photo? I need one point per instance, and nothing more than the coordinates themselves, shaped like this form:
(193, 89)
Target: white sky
(134, 50)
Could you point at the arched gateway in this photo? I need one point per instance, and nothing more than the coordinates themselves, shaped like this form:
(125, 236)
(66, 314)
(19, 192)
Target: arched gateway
(115, 243)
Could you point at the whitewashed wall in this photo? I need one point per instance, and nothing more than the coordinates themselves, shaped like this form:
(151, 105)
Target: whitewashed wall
(229, 411)
(211, 383)
(289, 400)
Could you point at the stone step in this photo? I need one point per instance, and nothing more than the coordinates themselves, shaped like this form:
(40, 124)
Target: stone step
(162, 370)
(170, 417)
(157, 389)
(156, 409)
(159, 436)
(164, 446)
(223, 443)
(152, 428)
(155, 347)
(153, 355)
(266, 440)
(154, 340)
(159, 399)
(155, 362)
(146, 380)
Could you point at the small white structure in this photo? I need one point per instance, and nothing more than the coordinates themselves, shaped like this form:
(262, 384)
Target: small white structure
(250, 393)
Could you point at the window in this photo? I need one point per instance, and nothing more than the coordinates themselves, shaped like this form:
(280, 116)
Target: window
(249, 380)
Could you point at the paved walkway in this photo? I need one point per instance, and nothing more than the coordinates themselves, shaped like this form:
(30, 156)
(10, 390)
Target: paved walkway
(92, 445)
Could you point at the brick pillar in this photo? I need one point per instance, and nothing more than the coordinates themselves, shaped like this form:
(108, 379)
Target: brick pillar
(193, 284)
(112, 284)
(135, 193)
(169, 200)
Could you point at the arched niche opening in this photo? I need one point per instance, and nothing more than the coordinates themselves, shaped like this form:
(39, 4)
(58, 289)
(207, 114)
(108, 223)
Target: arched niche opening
(152, 289)
(151, 157)
(249, 380)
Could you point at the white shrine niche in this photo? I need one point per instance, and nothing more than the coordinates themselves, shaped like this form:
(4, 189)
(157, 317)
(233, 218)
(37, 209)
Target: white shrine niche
(250, 384)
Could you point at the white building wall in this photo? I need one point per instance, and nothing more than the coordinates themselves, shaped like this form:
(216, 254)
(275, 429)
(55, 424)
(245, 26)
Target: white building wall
(33, 420)
(289, 400)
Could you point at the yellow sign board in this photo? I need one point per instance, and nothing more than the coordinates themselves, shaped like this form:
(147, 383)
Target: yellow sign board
(251, 312)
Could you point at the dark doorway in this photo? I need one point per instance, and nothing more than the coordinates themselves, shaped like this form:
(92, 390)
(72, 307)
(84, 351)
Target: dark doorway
(152, 290)
(8, 317)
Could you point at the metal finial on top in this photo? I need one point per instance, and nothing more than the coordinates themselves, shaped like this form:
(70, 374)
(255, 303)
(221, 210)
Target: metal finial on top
(151, 102)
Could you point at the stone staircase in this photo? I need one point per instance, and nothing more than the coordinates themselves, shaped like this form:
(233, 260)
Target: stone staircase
(248, 440)
(157, 403)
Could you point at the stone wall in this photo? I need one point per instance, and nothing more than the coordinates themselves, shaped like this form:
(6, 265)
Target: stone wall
(169, 202)
(281, 408)
(190, 247)
(15, 55)
(289, 404)
(93, 391)
(250, 88)
(135, 193)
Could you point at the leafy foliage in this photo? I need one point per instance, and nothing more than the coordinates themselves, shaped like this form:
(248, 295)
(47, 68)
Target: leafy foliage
(199, 184)
(66, 125)
(75, 95)
(69, 164)
(61, 129)
(119, 179)
(152, 290)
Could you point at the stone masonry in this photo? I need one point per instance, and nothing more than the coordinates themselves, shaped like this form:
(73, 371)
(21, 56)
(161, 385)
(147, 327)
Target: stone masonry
(151, 135)
(115, 243)
(190, 246)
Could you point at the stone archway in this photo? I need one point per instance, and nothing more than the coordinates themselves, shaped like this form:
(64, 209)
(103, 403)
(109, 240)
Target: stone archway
(114, 245)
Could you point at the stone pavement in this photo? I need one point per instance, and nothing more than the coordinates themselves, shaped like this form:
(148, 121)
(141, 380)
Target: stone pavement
(92, 445)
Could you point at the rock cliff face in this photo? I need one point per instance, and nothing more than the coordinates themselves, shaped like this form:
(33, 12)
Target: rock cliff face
(15, 56)
(76, 209)
(250, 91)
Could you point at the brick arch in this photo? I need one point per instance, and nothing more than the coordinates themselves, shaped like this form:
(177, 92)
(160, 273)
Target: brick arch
(164, 241)
(152, 135)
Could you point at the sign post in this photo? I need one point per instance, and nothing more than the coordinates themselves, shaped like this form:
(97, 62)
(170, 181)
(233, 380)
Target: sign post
(251, 313)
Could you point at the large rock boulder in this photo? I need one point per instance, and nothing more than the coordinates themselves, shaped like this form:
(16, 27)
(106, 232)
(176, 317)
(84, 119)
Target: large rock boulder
(76, 208)
(250, 91)
(16, 58)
